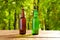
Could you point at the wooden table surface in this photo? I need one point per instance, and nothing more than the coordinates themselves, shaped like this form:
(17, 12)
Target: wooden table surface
(43, 35)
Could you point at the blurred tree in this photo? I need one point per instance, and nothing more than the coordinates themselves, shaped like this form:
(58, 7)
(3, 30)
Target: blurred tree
(49, 13)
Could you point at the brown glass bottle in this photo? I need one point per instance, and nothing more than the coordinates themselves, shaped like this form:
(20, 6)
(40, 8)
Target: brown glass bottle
(22, 23)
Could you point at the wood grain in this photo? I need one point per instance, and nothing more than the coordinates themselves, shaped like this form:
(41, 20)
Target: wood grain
(43, 35)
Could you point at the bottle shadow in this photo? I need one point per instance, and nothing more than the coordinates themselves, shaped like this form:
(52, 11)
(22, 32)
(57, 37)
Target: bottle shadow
(18, 36)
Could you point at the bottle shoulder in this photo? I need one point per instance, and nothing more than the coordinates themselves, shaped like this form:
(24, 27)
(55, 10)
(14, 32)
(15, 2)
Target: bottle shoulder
(35, 18)
(22, 17)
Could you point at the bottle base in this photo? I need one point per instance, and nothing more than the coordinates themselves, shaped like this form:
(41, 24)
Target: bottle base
(34, 34)
(22, 33)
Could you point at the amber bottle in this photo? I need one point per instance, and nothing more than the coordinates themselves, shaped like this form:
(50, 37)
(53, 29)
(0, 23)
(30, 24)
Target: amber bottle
(22, 23)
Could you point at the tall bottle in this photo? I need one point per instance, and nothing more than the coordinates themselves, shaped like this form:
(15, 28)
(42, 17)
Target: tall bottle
(35, 22)
(22, 23)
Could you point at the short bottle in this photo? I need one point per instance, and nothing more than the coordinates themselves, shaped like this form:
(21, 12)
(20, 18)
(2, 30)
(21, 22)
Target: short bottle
(35, 22)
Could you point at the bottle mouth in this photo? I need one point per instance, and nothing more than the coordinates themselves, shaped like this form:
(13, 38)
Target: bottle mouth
(35, 7)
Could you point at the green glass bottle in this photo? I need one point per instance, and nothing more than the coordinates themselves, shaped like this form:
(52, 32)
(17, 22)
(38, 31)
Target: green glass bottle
(35, 22)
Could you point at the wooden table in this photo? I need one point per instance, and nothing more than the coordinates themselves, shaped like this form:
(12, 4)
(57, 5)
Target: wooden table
(43, 35)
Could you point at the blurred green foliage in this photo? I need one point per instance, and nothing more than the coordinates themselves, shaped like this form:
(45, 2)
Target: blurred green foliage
(49, 14)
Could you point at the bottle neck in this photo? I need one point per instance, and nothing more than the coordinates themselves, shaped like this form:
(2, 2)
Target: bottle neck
(22, 14)
(35, 13)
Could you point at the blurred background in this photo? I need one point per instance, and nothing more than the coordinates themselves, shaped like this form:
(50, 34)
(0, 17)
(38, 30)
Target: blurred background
(49, 14)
